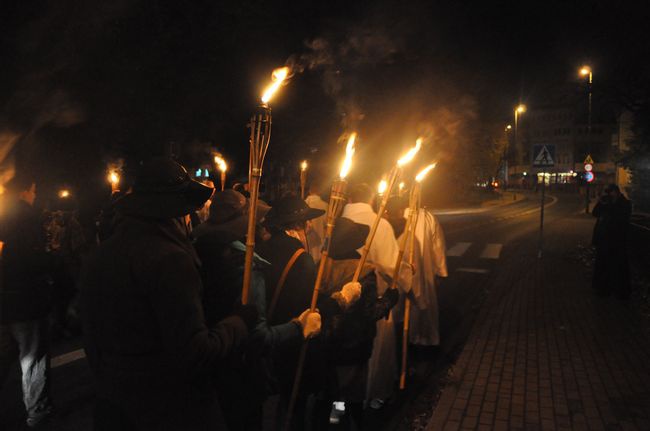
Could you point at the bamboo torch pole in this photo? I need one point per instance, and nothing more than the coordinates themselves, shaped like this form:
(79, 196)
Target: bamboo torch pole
(336, 202)
(407, 302)
(394, 174)
(260, 126)
(409, 235)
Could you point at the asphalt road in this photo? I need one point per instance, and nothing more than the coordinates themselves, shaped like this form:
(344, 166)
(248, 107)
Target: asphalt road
(480, 244)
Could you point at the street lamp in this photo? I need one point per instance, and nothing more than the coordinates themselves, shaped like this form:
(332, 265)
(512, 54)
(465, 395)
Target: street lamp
(586, 71)
(505, 156)
(519, 109)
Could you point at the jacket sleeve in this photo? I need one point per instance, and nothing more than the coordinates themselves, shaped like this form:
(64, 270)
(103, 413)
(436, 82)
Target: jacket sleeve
(267, 337)
(177, 305)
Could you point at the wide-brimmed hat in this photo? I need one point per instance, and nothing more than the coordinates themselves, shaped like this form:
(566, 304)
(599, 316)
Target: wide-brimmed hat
(289, 210)
(163, 189)
(347, 238)
(229, 212)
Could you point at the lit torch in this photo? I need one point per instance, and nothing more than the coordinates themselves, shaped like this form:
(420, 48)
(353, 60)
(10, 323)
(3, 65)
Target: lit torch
(114, 180)
(223, 167)
(303, 178)
(409, 235)
(260, 126)
(278, 77)
(381, 187)
(392, 178)
(336, 202)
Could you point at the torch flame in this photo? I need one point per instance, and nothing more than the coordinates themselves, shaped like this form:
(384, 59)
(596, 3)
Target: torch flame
(113, 177)
(349, 152)
(221, 163)
(303, 165)
(383, 185)
(411, 153)
(423, 173)
(277, 78)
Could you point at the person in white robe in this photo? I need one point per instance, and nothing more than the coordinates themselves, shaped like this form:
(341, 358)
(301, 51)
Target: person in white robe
(382, 366)
(429, 261)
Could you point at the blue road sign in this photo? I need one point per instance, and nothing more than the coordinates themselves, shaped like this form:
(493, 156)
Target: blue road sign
(544, 156)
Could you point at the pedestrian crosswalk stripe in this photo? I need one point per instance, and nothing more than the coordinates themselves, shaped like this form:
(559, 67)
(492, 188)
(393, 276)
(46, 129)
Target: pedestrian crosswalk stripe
(459, 249)
(491, 251)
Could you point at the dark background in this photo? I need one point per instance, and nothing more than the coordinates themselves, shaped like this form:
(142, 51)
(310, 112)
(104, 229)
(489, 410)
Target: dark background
(84, 84)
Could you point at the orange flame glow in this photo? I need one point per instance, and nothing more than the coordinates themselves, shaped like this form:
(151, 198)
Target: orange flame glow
(381, 188)
(221, 163)
(277, 78)
(411, 153)
(349, 152)
(114, 178)
(303, 165)
(423, 173)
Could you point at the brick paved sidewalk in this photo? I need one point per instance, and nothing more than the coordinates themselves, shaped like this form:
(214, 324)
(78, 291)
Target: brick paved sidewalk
(545, 353)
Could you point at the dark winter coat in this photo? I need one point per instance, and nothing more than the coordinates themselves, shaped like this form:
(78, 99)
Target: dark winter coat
(247, 381)
(26, 292)
(145, 333)
(349, 334)
(611, 229)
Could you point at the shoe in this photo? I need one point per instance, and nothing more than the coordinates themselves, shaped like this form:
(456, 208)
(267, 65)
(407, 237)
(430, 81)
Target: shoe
(377, 403)
(39, 418)
(338, 410)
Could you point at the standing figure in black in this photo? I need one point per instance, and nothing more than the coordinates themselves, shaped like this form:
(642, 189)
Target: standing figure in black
(148, 344)
(611, 270)
(26, 297)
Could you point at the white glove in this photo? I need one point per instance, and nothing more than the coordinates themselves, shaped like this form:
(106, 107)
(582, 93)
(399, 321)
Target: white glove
(310, 323)
(348, 295)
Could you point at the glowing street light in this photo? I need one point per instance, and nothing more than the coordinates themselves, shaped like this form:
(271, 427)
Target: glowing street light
(64, 193)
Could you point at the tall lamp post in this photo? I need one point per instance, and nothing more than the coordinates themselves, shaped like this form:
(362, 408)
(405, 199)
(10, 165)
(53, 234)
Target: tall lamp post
(587, 72)
(506, 155)
(519, 109)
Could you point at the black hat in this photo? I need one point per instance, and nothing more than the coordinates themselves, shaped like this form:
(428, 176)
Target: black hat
(289, 210)
(229, 212)
(163, 189)
(347, 238)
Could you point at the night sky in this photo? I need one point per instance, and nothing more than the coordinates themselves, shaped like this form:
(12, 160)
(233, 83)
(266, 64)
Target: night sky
(84, 83)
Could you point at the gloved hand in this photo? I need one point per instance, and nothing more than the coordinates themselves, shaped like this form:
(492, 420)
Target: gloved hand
(310, 323)
(249, 314)
(348, 295)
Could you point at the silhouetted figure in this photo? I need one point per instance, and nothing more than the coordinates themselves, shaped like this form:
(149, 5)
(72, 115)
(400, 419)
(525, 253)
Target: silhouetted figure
(611, 269)
(26, 298)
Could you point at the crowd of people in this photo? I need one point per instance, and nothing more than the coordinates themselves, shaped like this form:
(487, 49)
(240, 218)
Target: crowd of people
(171, 343)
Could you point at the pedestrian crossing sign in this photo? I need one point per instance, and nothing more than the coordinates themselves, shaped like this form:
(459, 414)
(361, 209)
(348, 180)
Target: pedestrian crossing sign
(544, 156)
(589, 160)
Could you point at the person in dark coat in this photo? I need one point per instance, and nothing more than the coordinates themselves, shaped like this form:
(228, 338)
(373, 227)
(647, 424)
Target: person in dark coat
(611, 269)
(286, 252)
(147, 342)
(349, 327)
(25, 297)
(244, 385)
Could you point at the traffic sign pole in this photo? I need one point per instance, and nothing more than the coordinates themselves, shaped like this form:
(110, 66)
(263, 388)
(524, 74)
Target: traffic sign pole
(541, 219)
